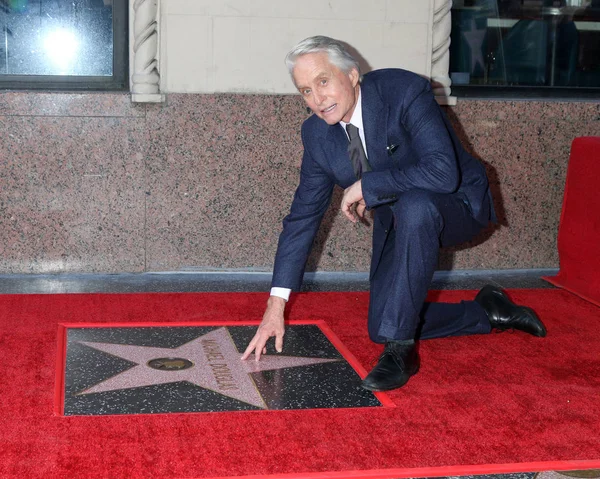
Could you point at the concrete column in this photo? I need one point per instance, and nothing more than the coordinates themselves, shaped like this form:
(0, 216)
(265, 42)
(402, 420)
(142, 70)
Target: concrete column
(145, 80)
(440, 57)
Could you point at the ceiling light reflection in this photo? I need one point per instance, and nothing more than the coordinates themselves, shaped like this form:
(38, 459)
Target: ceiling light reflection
(61, 46)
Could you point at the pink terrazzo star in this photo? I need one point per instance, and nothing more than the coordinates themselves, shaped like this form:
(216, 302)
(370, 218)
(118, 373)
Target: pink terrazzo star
(216, 366)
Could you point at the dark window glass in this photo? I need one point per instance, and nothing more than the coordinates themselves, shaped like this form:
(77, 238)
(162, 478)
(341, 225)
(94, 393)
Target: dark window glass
(63, 43)
(541, 44)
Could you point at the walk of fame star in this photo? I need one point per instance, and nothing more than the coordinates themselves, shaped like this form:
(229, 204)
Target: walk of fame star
(210, 361)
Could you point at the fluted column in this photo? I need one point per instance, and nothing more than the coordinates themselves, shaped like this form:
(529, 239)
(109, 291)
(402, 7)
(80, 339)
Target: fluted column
(145, 80)
(440, 57)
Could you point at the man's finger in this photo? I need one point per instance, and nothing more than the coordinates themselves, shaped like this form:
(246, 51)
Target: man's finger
(344, 208)
(260, 348)
(257, 353)
(360, 210)
(279, 342)
(250, 348)
(348, 212)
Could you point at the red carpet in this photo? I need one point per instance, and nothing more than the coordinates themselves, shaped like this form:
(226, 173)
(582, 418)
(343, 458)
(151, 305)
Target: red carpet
(579, 229)
(494, 403)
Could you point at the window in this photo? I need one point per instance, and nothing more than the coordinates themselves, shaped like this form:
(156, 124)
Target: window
(63, 44)
(525, 47)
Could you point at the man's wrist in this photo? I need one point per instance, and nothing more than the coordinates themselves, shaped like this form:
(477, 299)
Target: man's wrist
(275, 304)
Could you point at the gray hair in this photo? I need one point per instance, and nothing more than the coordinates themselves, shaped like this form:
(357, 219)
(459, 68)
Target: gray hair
(336, 51)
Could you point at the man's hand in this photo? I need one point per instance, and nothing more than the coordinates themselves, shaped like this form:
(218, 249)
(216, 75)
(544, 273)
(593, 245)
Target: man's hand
(353, 195)
(271, 325)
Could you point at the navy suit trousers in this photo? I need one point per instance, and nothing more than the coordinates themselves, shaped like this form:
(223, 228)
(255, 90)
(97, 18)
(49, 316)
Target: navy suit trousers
(408, 234)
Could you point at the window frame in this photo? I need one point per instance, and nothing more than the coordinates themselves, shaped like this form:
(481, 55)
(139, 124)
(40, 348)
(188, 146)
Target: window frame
(119, 81)
(520, 92)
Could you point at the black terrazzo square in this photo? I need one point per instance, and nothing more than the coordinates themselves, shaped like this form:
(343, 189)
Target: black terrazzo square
(176, 369)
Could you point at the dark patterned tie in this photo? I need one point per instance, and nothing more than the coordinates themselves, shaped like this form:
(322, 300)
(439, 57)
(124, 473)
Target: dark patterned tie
(356, 151)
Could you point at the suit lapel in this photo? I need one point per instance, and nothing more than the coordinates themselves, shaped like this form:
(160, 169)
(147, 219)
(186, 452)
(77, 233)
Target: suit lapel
(375, 117)
(336, 146)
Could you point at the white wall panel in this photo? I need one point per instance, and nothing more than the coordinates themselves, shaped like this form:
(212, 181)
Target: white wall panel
(239, 45)
(233, 54)
(372, 10)
(208, 7)
(408, 11)
(405, 46)
(187, 61)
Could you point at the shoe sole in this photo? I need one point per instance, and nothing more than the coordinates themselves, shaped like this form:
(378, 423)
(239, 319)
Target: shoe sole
(380, 390)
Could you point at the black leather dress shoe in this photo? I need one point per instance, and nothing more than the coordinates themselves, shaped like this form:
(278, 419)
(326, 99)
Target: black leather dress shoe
(396, 365)
(504, 314)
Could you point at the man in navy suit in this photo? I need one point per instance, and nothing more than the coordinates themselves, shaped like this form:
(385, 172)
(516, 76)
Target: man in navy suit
(425, 190)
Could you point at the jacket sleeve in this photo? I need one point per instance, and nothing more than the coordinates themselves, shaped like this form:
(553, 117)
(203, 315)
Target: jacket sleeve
(434, 166)
(300, 226)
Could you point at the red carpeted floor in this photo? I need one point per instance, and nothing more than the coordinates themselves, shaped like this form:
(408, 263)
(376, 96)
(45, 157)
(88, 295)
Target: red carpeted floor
(493, 403)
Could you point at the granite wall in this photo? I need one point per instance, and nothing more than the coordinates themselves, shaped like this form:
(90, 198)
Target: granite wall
(93, 183)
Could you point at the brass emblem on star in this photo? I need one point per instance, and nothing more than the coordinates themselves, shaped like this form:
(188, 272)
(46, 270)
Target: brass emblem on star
(170, 364)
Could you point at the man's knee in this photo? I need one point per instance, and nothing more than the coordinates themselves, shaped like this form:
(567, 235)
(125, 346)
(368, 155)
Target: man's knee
(417, 208)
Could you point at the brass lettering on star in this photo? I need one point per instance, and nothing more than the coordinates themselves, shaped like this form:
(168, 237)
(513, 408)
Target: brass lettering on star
(219, 367)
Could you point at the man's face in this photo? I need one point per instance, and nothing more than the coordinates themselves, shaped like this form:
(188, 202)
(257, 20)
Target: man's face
(329, 92)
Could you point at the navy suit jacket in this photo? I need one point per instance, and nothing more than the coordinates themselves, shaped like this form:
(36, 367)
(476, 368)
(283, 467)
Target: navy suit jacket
(410, 145)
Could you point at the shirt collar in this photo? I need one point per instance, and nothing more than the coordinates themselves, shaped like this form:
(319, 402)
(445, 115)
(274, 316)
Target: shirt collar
(356, 118)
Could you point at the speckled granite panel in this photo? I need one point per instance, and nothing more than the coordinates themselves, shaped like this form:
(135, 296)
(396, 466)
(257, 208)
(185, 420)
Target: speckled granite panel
(93, 183)
(528, 110)
(525, 147)
(69, 104)
(221, 182)
(222, 172)
(72, 194)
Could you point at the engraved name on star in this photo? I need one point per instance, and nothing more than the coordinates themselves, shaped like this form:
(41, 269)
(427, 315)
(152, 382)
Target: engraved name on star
(215, 366)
